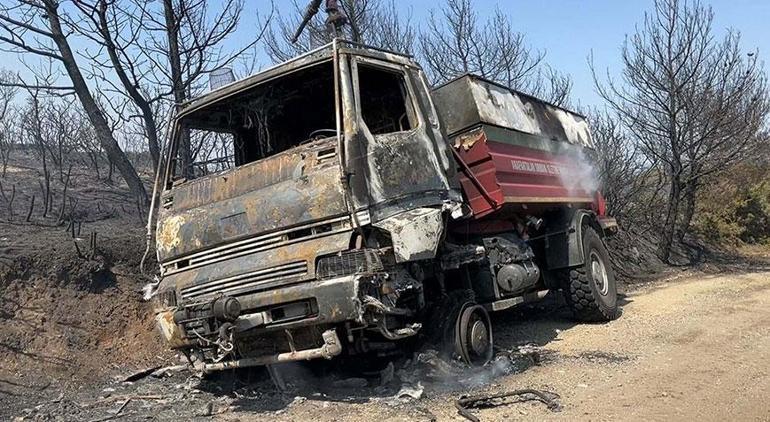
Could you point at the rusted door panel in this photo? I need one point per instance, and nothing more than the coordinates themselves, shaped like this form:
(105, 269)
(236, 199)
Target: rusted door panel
(401, 164)
(401, 170)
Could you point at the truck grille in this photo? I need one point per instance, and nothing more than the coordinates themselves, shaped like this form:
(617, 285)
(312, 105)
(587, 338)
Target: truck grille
(248, 282)
(258, 244)
(347, 263)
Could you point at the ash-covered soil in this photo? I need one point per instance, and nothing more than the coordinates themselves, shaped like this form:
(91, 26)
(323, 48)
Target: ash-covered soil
(691, 346)
(68, 319)
(70, 313)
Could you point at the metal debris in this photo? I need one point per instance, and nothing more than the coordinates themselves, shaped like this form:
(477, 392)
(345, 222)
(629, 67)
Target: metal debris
(136, 376)
(410, 392)
(465, 403)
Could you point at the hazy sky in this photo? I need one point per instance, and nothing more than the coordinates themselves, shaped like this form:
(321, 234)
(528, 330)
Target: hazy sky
(566, 30)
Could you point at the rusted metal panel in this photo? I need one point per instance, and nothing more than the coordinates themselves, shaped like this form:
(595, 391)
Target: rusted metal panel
(287, 190)
(169, 331)
(415, 233)
(259, 271)
(516, 174)
(394, 172)
(337, 300)
(470, 100)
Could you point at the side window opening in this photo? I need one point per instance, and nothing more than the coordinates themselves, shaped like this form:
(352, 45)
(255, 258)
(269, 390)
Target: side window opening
(385, 107)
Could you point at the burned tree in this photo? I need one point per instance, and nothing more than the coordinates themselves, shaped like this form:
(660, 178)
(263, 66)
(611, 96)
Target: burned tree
(160, 53)
(456, 42)
(192, 46)
(172, 28)
(625, 174)
(7, 121)
(694, 103)
(109, 25)
(37, 27)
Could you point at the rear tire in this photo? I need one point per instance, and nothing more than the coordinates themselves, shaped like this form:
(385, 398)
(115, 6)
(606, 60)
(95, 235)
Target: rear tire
(590, 289)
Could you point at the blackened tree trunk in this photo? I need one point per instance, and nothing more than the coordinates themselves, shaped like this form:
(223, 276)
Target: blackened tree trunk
(94, 112)
(689, 194)
(184, 152)
(148, 116)
(670, 223)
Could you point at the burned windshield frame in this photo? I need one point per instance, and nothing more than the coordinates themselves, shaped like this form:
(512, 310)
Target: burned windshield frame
(301, 106)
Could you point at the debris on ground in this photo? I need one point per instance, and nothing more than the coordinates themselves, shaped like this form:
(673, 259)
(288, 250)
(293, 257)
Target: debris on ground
(407, 392)
(136, 376)
(485, 401)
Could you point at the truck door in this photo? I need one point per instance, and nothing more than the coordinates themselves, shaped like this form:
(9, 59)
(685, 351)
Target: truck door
(395, 151)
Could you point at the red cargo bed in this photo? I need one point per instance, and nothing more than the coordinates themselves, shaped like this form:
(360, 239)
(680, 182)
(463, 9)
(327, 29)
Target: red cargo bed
(514, 149)
(515, 174)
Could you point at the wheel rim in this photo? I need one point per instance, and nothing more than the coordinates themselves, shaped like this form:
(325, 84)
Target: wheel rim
(599, 273)
(479, 337)
(473, 336)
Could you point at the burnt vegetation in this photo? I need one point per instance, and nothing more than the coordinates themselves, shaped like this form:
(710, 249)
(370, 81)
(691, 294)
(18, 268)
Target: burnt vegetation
(688, 112)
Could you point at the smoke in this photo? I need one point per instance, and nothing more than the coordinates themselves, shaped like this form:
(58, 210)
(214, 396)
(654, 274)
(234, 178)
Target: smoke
(437, 372)
(149, 290)
(579, 177)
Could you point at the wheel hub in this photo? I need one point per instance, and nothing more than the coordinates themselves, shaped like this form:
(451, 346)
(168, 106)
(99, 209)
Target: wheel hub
(479, 337)
(599, 273)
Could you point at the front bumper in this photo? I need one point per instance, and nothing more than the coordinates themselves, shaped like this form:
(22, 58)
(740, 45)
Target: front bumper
(331, 347)
(320, 303)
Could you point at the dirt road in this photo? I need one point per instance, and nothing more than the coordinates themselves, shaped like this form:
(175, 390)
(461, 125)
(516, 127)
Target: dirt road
(696, 348)
(692, 348)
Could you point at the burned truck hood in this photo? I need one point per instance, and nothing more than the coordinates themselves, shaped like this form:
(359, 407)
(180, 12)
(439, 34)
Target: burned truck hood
(287, 190)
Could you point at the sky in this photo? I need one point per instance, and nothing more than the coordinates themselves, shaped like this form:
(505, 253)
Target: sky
(569, 30)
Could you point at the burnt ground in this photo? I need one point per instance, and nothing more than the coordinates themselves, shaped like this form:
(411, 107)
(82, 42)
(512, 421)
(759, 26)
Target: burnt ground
(73, 328)
(69, 313)
(692, 345)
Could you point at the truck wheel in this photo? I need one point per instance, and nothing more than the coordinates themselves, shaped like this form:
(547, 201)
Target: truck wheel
(462, 327)
(590, 289)
(473, 335)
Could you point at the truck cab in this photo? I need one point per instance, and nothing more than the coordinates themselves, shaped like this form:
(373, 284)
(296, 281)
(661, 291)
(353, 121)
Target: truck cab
(328, 211)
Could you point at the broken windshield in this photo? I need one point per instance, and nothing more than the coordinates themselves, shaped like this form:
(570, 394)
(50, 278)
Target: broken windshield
(265, 120)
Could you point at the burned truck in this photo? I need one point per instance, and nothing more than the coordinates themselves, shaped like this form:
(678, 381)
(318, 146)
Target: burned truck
(344, 208)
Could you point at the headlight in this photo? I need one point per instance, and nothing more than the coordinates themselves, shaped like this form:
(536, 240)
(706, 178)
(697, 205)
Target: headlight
(164, 299)
(349, 262)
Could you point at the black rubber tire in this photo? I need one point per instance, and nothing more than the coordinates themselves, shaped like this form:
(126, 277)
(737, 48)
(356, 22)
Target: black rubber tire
(584, 297)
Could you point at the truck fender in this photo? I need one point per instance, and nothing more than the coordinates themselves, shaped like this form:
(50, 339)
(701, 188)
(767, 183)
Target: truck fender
(564, 241)
(415, 233)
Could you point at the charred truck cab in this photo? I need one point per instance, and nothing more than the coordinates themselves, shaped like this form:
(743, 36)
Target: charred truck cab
(335, 205)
